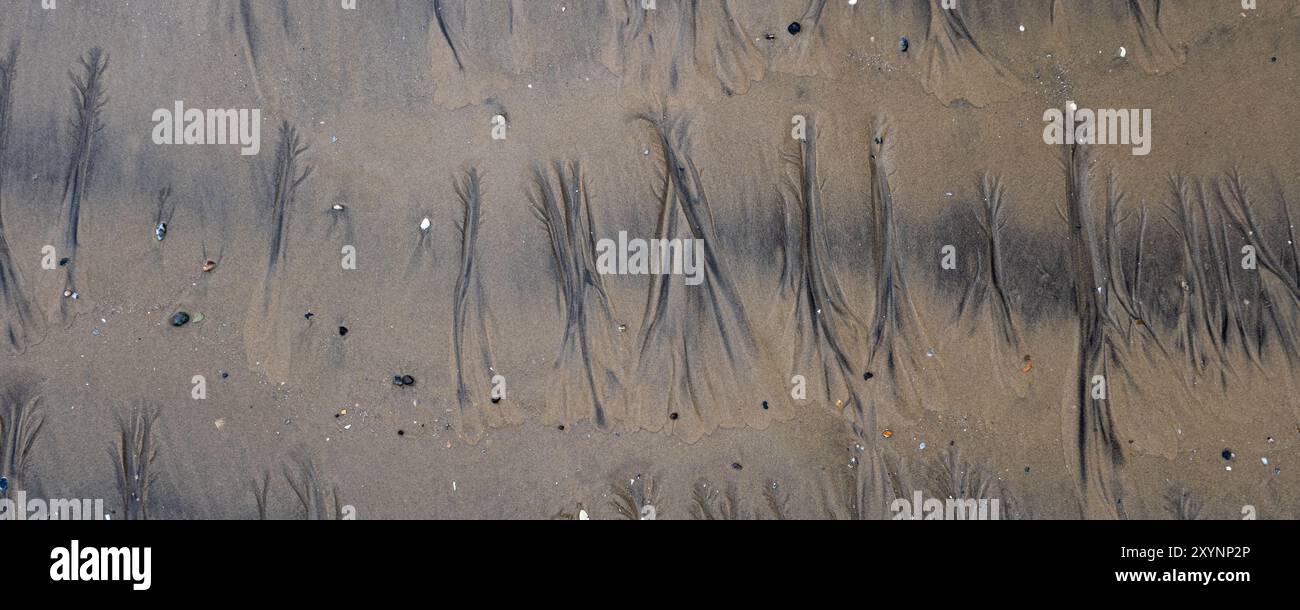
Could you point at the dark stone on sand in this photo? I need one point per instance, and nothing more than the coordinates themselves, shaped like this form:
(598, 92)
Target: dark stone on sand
(63, 262)
(903, 44)
(309, 315)
(343, 331)
(180, 318)
(736, 465)
(794, 28)
(397, 380)
(560, 427)
(401, 432)
(1227, 454)
(408, 380)
(496, 399)
(673, 416)
(765, 407)
(4, 484)
(867, 376)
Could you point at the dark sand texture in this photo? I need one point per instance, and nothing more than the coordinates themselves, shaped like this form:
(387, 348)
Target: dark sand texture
(823, 259)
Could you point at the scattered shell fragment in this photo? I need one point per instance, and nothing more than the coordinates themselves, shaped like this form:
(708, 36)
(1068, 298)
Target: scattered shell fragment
(338, 207)
(1029, 365)
(220, 423)
(887, 434)
(209, 266)
(160, 231)
(425, 224)
(582, 516)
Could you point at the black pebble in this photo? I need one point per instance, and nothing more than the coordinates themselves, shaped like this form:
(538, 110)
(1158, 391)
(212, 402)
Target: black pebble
(1026, 469)
(397, 380)
(408, 380)
(180, 319)
(903, 44)
(764, 405)
(560, 427)
(63, 262)
(1271, 60)
(1227, 454)
(673, 416)
(401, 432)
(309, 315)
(736, 465)
(867, 376)
(4, 483)
(496, 399)
(794, 28)
(343, 331)
(224, 375)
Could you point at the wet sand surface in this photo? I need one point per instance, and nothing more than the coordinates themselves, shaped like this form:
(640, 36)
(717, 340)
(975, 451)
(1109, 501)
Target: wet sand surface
(824, 258)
